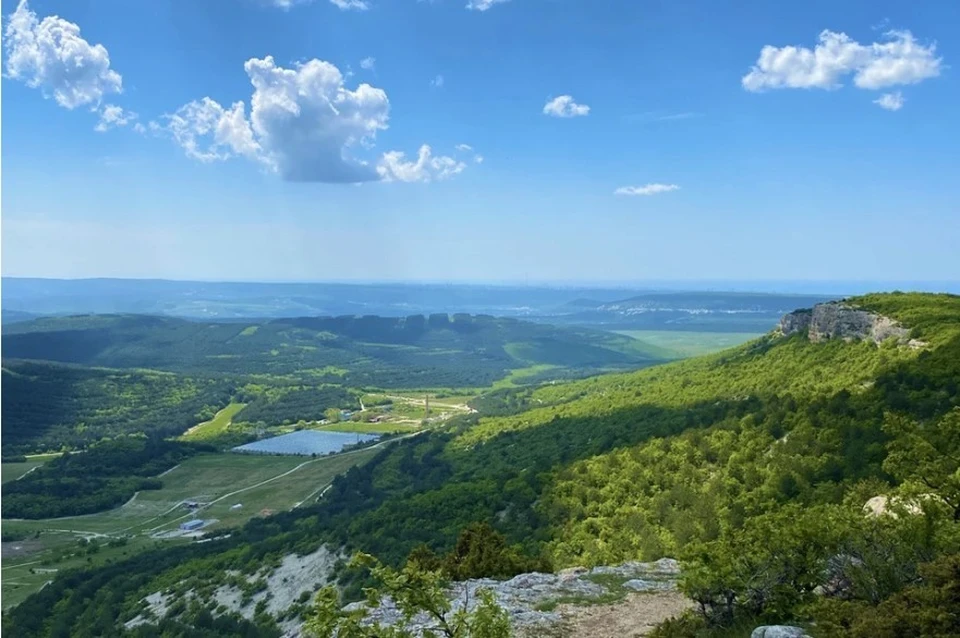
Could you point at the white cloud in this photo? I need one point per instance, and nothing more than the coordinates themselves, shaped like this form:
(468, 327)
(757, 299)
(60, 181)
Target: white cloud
(466, 148)
(303, 124)
(347, 5)
(209, 132)
(395, 167)
(368, 64)
(305, 120)
(890, 101)
(483, 5)
(648, 189)
(113, 116)
(564, 106)
(437, 81)
(897, 60)
(50, 55)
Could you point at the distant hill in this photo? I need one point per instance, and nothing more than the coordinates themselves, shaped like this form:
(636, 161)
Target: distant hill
(687, 311)
(15, 316)
(439, 350)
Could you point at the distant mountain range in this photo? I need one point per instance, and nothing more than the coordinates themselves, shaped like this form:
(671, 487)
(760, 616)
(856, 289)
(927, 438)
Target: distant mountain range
(704, 311)
(610, 308)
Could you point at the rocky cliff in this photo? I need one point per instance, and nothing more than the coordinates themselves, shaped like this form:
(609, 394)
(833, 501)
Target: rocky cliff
(836, 320)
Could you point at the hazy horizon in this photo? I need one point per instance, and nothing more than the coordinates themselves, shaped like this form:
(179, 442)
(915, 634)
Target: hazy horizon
(774, 286)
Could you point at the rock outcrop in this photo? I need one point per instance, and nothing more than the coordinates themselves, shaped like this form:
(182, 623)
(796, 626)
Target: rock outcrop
(837, 320)
(531, 599)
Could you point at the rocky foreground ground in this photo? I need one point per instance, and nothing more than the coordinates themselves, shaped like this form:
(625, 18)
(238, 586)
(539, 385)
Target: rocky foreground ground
(623, 600)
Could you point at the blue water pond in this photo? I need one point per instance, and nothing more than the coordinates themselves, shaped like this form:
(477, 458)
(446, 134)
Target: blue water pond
(306, 443)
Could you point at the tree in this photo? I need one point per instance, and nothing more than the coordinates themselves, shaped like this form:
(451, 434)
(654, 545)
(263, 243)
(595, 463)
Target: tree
(926, 457)
(332, 415)
(415, 591)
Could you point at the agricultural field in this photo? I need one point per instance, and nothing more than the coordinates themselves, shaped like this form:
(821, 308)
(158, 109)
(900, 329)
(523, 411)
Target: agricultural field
(13, 471)
(679, 344)
(215, 426)
(261, 484)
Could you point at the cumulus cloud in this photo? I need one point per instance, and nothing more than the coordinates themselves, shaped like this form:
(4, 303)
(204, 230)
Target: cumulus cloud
(368, 64)
(50, 55)
(303, 124)
(648, 189)
(113, 116)
(897, 60)
(306, 120)
(565, 106)
(208, 132)
(891, 101)
(483, 5)
(395, 167)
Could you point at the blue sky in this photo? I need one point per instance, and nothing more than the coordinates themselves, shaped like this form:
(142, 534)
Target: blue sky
(620, 140)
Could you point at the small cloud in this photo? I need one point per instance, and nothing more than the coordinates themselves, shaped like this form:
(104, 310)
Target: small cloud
(349, 5)
(661, 116)
(483, 5)
(565, 106)
(891, 101)
(368, 64)
(113, 116)
(648, 189)
(466, 148)
(437, 82)
(426, 168)
(672, 117)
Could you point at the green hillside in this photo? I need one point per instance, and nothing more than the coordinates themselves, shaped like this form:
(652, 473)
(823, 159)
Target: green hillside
(52, 407)
(751, 465)
(417, 351)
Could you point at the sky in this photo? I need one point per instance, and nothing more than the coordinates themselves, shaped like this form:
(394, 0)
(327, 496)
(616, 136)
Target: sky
(481, 140)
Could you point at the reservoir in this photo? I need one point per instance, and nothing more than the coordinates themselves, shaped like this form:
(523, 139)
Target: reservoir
(306, 443)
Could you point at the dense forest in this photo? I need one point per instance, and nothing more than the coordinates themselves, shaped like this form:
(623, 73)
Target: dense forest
(103, 476)
(436, 351)
(53, 407)
(752, 466)
(288, 404)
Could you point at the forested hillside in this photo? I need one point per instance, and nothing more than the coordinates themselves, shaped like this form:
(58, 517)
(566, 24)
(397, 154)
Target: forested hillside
(417, 351)
(752, 466)
(51, 407)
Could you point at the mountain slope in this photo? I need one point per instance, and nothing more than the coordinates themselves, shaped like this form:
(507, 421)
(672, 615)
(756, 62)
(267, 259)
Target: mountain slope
(624, 466)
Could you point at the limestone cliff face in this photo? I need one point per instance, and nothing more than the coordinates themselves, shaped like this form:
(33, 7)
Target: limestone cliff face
(836, 320)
